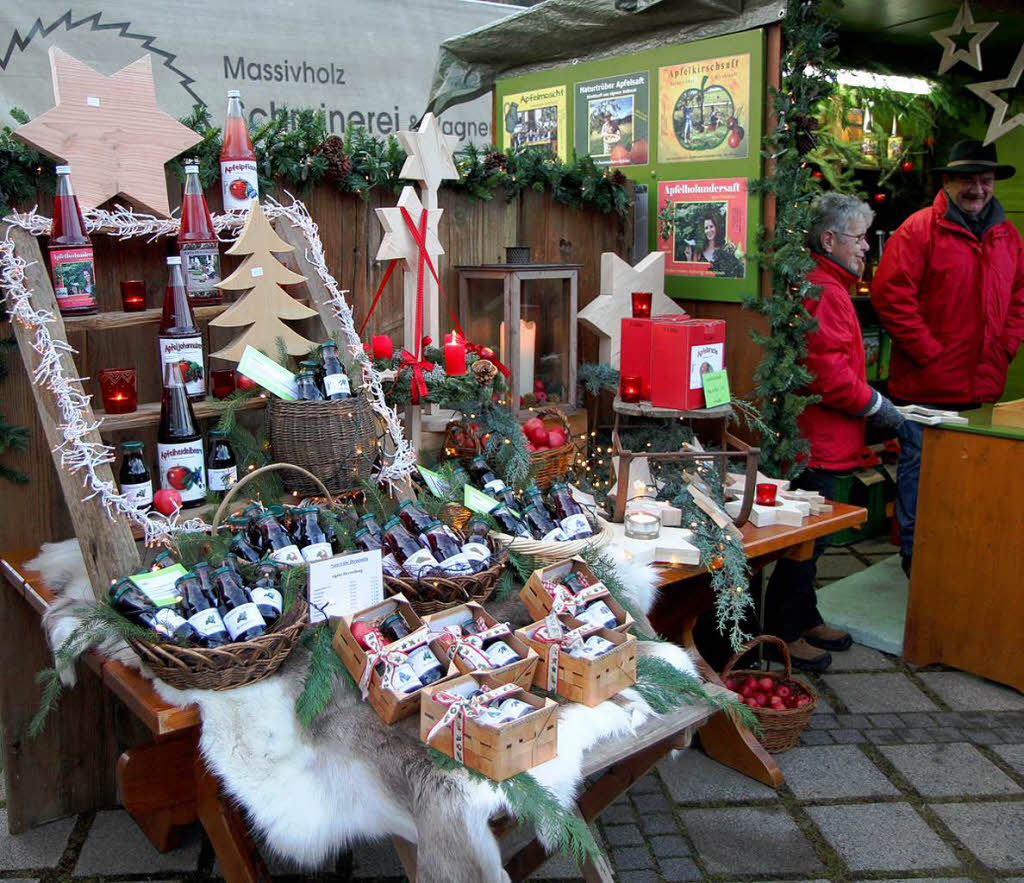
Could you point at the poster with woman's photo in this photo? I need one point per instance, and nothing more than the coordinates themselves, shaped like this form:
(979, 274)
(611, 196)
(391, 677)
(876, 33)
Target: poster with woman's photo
(702, 227)
(612, 117)
(536, 119)
(704, 109)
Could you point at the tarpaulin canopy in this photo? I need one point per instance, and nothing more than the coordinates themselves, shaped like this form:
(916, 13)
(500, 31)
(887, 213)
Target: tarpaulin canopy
(559, 31)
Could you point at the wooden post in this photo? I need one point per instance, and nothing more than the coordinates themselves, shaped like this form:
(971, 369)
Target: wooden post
(772, 80)
(107, 544)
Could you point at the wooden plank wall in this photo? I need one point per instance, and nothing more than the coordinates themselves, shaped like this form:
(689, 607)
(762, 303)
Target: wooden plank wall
(473, 232)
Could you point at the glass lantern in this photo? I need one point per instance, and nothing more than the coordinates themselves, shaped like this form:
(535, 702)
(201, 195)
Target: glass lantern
(526, 313)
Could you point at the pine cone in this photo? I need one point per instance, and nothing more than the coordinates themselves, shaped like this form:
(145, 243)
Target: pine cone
(338, 162)
(495, 160)
(484, 371)
(618, 179)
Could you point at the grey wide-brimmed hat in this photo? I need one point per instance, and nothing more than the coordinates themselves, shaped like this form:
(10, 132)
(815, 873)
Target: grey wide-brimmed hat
(970, 157)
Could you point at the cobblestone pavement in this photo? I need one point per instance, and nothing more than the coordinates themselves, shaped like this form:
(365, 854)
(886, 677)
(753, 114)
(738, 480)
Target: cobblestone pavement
(903, 773)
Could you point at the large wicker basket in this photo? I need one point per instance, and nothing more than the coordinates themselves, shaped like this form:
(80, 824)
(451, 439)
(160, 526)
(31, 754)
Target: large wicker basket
(551, 553)
(780, 729)
(434, 593)
(335, 440)
(547, 467)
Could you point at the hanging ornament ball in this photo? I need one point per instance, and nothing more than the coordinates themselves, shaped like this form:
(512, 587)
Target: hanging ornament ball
(907, 165)
(817, 174)
(716, 563)
(880, 198)
(486, 353)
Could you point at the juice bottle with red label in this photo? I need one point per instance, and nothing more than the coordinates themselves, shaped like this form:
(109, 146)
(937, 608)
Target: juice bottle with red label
(74, 274)
(238, 180)
(197, 242)
(180, 341)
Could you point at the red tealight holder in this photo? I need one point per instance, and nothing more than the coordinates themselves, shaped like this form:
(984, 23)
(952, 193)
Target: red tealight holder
(133, 295)
(383, 348)
(630, 389)
(642, 304)
(764, 494)
(118, 389)
(223, 382)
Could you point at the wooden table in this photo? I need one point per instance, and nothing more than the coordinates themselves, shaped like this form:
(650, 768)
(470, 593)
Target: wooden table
(686, 594)
(162, 782)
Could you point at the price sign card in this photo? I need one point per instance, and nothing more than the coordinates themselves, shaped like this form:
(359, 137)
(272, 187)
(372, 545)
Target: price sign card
(434, 480)
(477, 501)
(158, 585)
(344, 584)
(716, 388)
(268, 374)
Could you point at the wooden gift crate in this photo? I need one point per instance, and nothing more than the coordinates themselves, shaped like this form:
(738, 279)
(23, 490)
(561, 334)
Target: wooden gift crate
(497, 752)
(391, 706)
(520, 672)
(538, 602)
(587, 681)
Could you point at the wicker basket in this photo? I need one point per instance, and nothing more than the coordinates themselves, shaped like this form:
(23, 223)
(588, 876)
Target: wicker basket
(551, 553)
(336, 441)
(779, 728)
(547, 467)
(432, 594)
(460, 441)
(318, 487)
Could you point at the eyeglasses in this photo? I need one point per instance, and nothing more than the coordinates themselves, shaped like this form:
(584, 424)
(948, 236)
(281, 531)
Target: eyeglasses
(862, 237)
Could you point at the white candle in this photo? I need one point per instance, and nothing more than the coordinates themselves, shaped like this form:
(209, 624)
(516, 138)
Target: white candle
(527, 351)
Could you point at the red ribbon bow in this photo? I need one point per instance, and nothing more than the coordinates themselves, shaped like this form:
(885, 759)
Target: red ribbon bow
(419, 367)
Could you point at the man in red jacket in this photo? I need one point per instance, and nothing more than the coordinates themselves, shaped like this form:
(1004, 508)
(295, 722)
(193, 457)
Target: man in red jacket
(834, 426)
(950, 291)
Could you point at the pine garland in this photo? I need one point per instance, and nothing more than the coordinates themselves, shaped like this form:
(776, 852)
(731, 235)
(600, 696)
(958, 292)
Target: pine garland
(324, 666)
(595, 377)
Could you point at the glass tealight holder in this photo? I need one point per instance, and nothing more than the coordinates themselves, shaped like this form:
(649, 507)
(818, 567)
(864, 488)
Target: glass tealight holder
(630, 388)
(133, 295)
(642, 524)
(118, 389)
(642, 304)
(764, 494)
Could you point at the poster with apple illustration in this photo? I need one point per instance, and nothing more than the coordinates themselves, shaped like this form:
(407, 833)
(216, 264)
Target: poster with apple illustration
(704, 109)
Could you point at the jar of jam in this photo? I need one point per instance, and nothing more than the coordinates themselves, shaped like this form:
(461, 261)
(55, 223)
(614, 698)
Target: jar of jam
(568, 513)
(394, 627)
(425, 665)
(598, 613)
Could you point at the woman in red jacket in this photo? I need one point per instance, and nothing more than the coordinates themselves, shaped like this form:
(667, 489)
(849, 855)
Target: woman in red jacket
(834, 426)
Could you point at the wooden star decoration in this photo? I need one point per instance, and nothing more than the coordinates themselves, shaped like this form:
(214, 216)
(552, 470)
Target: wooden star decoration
(963, 23)
(999, 125)
(429, 154)
(110, 131)
(604, 314)
(398, 241)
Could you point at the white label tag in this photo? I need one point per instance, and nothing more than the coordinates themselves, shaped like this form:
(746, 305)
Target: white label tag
(422, 660)
(92, 101)
(267, 373)
(170, 620)
(335, 384)
(576, 526)
(705, 357)
(207, 622)
(317, 552)
(345, 584)
(243, 618)
(289, 554)
(419, 562)
(555, 536)
(267, 597)
(457, 564)
(389, 564)
(476, 551)
(221, 479)
(140, 494)
(256, 271)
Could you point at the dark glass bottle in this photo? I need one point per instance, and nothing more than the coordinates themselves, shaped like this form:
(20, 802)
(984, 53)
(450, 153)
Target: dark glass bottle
(568, 513)
(306, 388)
(205, 574)
(203, 614)
(314, 368)
(276, 541)
(368, 542)
(336, 385)
(475, 545)
(447, 551)
(485, 479)
(533, 494)
(164, 559)
(406, 549)
(414, 517)
(180, 341)
(510, 523)
(370, 523)
(540, 523)
(265, 593)
(71, 257)
(179, 444)
(130, 600)
(314, 543)
(241, 545)
(221, 467)
(134, 478)
(242, 619)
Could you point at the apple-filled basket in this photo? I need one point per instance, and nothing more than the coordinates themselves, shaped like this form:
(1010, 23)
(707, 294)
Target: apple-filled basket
(242, 662)
(788, 702)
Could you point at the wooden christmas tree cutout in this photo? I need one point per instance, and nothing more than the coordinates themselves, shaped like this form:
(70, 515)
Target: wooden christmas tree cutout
(266, 304)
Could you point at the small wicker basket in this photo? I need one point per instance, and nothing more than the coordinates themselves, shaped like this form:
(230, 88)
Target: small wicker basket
(335, 440)
(779, 728)
(551, 553)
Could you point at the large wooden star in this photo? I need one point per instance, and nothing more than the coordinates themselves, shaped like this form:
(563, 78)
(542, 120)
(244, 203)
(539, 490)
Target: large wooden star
(398, 241)
(429, 155)
(604, 314)
(963, 24)
(110, 131)
(999, 125)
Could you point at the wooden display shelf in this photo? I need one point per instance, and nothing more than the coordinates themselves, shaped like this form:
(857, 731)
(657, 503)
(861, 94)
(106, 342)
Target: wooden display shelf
(646, 409)
(120, 319)
(148, 414)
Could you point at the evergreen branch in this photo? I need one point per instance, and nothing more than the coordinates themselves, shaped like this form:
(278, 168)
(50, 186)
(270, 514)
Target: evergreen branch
(376, 501)
(324, 665)
(595, 377)
(506, 586)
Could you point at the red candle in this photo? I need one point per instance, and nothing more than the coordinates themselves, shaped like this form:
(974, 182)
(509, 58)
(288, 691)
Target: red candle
(133, 295)
(453, 337)
(454, 358)
(223, 382)
(118, 389)
(642, 304)
(630, 388)
(382, 347)
(764, 494)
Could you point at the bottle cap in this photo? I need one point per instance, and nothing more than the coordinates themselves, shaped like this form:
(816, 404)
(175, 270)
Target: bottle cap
(391, 522)
(320, 346)
(165, 553)
(369, 516)
(63, 170)
(224, 569)
(215, 433)
(306, 373)
(174, 260)
(405, 503)
(276, 510)
(234, 93)
(191, 165)
(188, 574)
(131, 446)
(360, 532)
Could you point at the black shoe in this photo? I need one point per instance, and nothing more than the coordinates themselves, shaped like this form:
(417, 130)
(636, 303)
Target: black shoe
(905, 564)
(802, 656)
(828, 638)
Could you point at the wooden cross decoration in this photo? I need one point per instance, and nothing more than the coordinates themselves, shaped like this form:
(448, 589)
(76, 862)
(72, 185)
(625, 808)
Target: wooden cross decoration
(110, 131)
(604, 314)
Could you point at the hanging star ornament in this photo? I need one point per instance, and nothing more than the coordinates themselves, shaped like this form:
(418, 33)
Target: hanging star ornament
(398, 241)
(429, 154)
(604, 314)
(963, 24)
(110, 131)
(999, 125)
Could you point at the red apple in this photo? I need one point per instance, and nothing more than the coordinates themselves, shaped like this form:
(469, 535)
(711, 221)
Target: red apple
(732, 684)
(243, 382)
(556, 438)
(541, 397)
(166, 501)
(533, 423)
(538, 435)
(802, 701)
(751, 703)
(783, 692)
(761, 699)
(766, 684)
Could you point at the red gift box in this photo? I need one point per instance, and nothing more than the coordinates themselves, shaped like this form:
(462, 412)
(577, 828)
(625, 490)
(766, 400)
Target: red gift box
(635, 353)
(682, 351)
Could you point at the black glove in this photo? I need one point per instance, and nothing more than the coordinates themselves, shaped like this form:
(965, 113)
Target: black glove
(887, 416)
